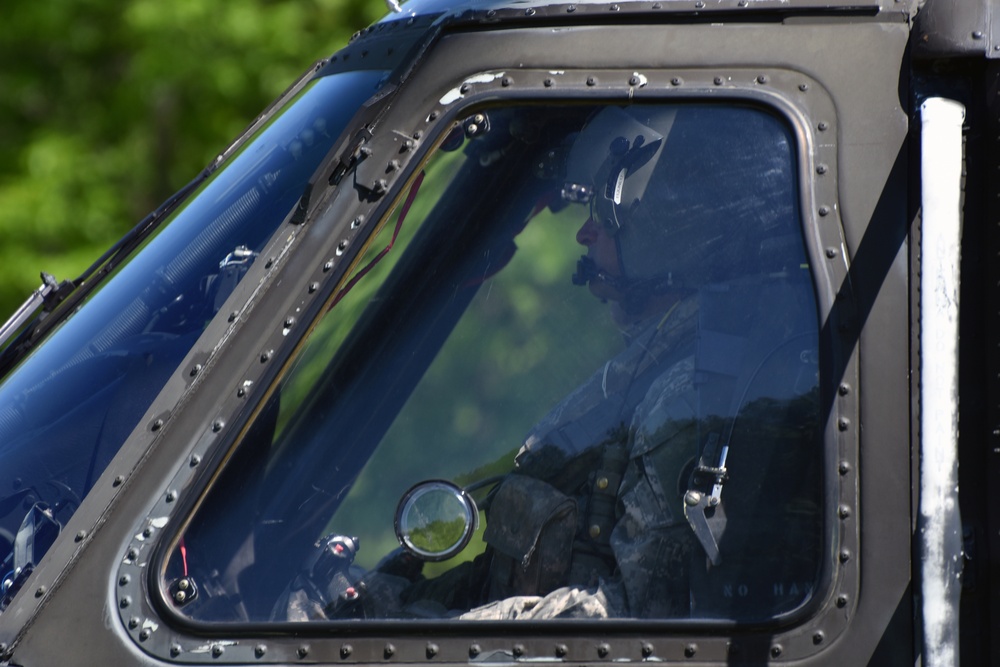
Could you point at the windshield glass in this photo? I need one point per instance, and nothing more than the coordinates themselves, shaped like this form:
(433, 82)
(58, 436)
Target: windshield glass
(68, 408)
(576, 376)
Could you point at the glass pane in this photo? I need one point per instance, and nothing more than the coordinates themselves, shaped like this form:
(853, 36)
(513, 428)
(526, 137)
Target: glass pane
(69, 407)
(599, 324)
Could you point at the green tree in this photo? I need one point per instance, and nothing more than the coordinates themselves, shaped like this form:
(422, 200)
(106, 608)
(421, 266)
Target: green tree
(108, 107)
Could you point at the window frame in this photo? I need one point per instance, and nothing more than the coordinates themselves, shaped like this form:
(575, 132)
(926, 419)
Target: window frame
(795, 96)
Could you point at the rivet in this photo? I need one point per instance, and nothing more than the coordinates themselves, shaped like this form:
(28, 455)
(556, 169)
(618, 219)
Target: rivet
(762, 78)
(259, 650)
(602, 483)
(80, 535)
(843, 423)
(561, 650)
(417, 134)
(699, 5)
(475, 650)
(743, 3)
(118, 480)
(380, 186)
(818, 637)
(647, 649)
(464, 88)
(824, 211)
(432, 115)
(595, 531)
(392, 166)
(717, 80)
(303, 651)
(432, 649)
(571, 9)
(345, 651)
(676, 81)
(232, 316)
(269, 263)
(845, 556)
(844, 512)
(591, 81)
(147, 532)
(217, 650)
(365, 151)
(133, 623)
(175, 650)
(217, 425)
(978, 34)
(614, 8)
(289, 322)
(505, 81)
(518, 650)
(407, 145)
(529, 12)
(180, 597)
(327, 266)
(823, 126)
(603, 650)
(124, 602)
(657, 5)
(40, 591)
(132, 554)
(690, 650)
(171, 496)
(195, 370)
(633, 80)
(313, 287)
(841, 601)
(144, 635)
(265, 356)
(490, 13)
(831, 252)
(844, 468)
(157, 425)
(124, 580)
(547, 83)
(776, 651)
(803, 87)
(388, 651)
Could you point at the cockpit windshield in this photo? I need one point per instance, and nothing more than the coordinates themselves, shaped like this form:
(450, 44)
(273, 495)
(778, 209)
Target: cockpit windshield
(67, 409)
(488, 426)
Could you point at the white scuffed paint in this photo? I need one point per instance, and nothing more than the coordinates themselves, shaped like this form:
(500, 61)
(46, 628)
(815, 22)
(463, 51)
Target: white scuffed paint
(456, 94)
(940, 524)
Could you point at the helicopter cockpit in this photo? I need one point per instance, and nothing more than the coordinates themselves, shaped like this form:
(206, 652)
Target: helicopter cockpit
(469, 435)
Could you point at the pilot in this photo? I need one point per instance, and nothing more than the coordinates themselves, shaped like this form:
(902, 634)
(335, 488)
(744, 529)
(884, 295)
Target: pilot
(592, 521)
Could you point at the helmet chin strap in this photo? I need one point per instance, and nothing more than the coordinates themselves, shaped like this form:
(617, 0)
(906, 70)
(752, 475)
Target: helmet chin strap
(635, 293)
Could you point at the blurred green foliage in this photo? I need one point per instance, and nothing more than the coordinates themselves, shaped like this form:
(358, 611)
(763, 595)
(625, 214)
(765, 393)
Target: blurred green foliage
(107, 108)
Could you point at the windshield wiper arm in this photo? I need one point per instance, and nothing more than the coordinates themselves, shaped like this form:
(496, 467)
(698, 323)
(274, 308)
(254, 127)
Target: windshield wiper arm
(49, 294)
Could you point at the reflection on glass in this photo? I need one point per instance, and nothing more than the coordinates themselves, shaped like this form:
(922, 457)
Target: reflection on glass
(69, 407)
(601, 323)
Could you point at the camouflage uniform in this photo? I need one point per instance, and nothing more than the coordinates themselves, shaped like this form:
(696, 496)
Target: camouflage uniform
(621, 446)
(591, 523)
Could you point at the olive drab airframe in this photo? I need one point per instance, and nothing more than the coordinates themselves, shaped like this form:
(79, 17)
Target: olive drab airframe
(591, 332)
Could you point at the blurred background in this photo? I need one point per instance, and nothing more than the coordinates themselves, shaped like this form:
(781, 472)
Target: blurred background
(109, 106)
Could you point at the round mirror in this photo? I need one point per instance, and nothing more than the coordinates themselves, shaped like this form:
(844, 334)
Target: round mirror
(435, 520)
